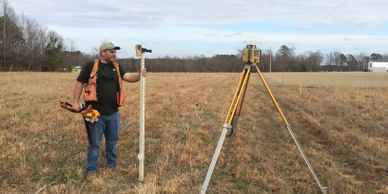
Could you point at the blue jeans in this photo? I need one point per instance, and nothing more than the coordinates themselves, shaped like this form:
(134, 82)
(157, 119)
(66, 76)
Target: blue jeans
(109, 126)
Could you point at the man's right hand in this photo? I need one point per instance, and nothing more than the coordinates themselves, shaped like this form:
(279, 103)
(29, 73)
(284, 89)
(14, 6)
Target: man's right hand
(75, 106)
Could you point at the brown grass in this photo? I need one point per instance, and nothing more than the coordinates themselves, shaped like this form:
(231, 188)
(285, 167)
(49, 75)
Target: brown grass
(339, 118)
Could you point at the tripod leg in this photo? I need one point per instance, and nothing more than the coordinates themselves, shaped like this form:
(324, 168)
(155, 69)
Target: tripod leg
(239, 107)
(234, 124)
(322, 188)
(214, 159)
(227, 125)
(234, 105)
(236, 94)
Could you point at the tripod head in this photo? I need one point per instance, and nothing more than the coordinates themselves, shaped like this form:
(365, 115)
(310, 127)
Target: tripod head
(250, 55)
(140, 50)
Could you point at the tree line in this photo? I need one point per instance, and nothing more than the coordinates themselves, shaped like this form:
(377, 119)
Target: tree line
(282, 60)
(285, 59)
(26, 45)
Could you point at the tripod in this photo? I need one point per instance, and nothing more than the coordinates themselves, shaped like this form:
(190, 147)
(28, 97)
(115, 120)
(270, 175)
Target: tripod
(232, 117)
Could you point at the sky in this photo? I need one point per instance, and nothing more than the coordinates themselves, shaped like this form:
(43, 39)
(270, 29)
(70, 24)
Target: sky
(180, 28)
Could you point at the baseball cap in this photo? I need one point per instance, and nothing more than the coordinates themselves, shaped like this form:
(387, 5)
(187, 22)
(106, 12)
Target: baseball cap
(108, 46)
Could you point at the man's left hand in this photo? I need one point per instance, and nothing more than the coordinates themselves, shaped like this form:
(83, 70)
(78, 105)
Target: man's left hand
(143, 73)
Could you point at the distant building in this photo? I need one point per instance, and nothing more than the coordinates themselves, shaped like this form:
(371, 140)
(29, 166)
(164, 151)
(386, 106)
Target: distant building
(77, 69)
(374, 66)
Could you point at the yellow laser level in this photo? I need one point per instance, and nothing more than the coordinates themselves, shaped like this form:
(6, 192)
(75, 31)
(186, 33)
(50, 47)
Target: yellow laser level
(140, 50)
(251, 54)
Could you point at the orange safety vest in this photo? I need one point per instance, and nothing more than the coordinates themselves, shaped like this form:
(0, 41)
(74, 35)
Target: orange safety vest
(90, 93)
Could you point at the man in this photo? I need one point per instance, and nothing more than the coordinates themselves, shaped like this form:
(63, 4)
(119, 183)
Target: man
(102, 81)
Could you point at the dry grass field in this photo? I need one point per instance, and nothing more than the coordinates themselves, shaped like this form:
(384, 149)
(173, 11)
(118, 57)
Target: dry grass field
(341, 120)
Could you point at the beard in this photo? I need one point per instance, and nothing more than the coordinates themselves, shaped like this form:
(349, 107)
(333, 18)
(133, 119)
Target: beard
(112, 59)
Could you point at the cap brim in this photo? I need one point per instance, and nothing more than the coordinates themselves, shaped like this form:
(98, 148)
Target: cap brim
(107, 49)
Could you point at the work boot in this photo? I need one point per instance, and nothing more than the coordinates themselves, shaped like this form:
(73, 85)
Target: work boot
(111, 167)
(90, 176)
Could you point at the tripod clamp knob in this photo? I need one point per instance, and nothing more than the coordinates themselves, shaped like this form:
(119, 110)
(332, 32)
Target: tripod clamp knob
(227, 126)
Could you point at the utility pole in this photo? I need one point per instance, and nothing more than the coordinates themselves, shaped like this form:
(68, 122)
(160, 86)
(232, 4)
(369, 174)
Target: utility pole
(79, 58)
(270, 60)
(4, 17)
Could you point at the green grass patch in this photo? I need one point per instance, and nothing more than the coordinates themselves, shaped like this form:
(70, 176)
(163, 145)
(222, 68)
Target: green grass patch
(242, 185)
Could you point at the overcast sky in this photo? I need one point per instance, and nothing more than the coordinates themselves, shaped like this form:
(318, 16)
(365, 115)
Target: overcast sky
(208, 27)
